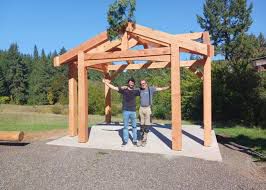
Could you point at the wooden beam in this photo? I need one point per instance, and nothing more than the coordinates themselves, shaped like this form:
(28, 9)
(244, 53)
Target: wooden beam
(207, 98)
(144, 40)
(149, 65)
(99, 67)
(199, 74)
(155, 54)
(73, 100)
(118, 71)
(86, 46)
(190, 36)
(160, 58)
(128, 54)
(11, 135)
(124, 44)
(111, 45)
(106, 46)
(176, 98)
(82, 100)
(131, 43)
(193, 46)
(95, 69)
(108, 104)
(155, 65)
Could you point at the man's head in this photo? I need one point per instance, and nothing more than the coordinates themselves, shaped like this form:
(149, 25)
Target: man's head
(131, 83)
(143, 84)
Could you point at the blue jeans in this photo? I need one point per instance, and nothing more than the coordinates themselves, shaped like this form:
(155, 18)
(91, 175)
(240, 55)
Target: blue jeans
(132, 116)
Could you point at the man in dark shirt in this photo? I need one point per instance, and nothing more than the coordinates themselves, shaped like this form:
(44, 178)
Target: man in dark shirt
(129, 108)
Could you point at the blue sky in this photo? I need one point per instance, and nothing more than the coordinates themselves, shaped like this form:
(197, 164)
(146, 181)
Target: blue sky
(51, 24)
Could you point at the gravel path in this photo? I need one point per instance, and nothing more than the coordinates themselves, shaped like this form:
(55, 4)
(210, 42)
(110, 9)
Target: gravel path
(41, 166)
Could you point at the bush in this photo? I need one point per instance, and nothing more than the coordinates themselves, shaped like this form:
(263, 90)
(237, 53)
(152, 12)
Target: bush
(4, 99)
(57, 109)
(238, 94)
(115, 109)
(96, 101)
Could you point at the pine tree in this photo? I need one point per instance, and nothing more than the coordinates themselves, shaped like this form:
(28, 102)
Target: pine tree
(225, 20)
(3, 86)
(119, 14)
(39, 81)
(62, 51)
(262, 45)
(35, 53)
(17, 76)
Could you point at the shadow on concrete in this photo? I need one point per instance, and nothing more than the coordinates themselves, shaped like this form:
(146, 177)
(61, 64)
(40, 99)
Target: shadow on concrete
(153, 130)
(189, 135)
(196, 139)
(5, 143)
(162, 137)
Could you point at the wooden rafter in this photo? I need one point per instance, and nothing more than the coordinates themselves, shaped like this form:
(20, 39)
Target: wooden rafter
(192, 46)
(152, 42)
(154, 65)
(190, 36)
(158, 58)
(128, 54)
(73, 53)
(155, 54)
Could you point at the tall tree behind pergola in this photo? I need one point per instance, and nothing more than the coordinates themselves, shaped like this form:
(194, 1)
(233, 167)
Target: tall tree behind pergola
(161, 50)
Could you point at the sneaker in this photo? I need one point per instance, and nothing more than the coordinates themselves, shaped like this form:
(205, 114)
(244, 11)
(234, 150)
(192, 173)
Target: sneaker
(135, 143)
(124, 144)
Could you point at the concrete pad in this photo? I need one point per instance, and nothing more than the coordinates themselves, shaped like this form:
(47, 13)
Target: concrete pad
(104, 136)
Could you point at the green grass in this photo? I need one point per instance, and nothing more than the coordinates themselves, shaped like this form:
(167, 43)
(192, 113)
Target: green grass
(252, 138)
(31, 121)
(37, 118)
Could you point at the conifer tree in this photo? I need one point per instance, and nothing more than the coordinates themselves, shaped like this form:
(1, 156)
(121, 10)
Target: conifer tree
(17, 76)
(226, 20)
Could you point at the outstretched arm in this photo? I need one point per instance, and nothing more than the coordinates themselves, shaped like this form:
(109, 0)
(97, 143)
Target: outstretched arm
(162, 88)
(110, 85)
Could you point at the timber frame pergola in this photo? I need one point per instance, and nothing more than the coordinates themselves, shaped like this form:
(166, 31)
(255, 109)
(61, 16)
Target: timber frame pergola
(161, 50)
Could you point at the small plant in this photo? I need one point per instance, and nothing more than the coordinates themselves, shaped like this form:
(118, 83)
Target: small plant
(119, 14)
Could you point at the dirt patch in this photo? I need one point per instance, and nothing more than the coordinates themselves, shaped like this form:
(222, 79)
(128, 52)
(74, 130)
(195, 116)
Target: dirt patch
(44, 135)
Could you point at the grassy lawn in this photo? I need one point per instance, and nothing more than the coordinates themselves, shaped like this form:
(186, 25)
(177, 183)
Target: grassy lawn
(41, 118)
(31, 121)
(36, 118)
(254, 139)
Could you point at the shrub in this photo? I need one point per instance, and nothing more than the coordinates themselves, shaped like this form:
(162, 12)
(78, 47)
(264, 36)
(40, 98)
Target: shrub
(57, 109)
(4, 99)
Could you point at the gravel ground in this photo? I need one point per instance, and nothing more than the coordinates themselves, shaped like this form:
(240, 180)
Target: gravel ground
(40, 166)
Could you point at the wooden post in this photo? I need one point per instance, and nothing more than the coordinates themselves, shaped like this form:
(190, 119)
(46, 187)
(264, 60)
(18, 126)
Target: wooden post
(73, 100)
(207, 99)
(83, 135)
(108, 105)
(176, 98)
